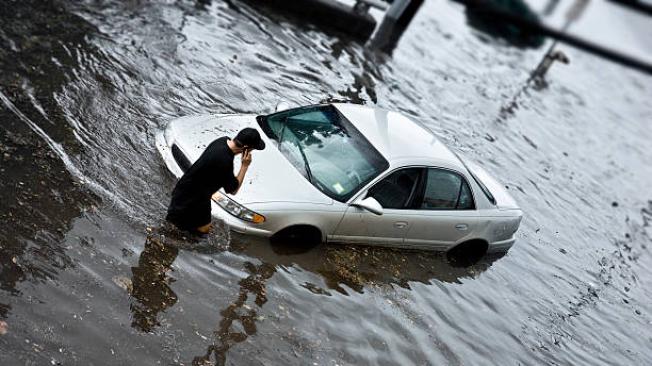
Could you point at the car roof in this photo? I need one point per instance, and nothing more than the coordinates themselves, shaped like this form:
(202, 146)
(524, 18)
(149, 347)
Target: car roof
(398, 138)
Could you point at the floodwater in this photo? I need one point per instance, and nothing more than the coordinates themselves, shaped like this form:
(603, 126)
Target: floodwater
(90, 276)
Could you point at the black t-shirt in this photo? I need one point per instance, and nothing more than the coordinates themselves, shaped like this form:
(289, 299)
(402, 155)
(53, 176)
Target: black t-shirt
(190, 207)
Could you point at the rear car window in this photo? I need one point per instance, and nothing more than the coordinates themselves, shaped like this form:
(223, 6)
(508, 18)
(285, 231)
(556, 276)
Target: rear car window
(446, 190)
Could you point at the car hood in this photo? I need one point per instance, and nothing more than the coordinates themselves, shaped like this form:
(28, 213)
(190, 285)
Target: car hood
(270, 178)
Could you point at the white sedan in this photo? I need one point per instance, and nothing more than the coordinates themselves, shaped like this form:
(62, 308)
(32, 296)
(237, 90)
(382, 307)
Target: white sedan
(354, 174)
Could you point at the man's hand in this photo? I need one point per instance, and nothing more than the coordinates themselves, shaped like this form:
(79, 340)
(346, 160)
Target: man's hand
(246, 158)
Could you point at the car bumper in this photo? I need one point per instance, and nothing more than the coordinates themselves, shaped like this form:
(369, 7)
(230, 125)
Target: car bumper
(501, 246)
(236, 224)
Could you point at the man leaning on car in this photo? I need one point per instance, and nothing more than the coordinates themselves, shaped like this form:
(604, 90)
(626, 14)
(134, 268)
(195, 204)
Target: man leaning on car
(190, 208)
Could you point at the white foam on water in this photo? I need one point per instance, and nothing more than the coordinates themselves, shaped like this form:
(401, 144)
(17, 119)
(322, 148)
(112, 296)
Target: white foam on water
(60, 152)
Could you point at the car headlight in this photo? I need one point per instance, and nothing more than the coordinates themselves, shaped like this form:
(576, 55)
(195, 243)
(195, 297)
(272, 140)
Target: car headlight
(237, 209)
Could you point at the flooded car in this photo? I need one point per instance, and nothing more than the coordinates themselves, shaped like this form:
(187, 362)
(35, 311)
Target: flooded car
(349, 173)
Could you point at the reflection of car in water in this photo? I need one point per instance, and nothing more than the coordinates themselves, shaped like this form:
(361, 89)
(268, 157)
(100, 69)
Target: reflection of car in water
(339, 268)
(349, 173)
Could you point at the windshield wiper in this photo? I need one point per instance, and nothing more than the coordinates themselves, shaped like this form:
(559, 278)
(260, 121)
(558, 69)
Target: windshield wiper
(280, 138)
(303, 155)
(305, 161)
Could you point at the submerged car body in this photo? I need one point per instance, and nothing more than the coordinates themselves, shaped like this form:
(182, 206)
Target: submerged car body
(354, 174)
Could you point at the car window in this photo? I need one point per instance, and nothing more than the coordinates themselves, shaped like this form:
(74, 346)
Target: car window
(315, 117)
(446, 190)
(397, 189)
(466, 198)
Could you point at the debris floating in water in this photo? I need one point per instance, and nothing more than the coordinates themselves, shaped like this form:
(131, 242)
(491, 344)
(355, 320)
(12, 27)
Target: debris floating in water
(123, 282)
(4, 328)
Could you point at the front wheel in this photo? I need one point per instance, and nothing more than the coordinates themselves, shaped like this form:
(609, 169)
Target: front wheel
(299, 234)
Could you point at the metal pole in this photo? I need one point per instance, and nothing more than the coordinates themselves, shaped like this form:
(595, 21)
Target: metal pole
(396, 9)
(552, 55)
(550, 7)
(583, 44)
(395, 22)
(637, 5)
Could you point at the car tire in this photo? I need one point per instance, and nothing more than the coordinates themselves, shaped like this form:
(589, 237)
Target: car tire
(467, 253)
(298, 234)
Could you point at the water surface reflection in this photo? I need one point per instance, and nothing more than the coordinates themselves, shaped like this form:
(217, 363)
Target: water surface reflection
(86, 85)
(342, 268)
(151, 283)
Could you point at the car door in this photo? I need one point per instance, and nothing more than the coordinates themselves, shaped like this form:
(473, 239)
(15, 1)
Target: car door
(443, 212)
(394, 193)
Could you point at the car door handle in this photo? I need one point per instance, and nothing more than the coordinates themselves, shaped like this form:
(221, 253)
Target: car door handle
(400, 224)
(462, 227)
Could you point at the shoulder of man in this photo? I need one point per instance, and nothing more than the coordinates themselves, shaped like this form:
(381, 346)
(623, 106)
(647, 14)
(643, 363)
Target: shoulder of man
(217, 144)
(219, 150)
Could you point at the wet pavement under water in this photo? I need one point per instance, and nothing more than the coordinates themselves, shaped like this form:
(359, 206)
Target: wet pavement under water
(89, 274)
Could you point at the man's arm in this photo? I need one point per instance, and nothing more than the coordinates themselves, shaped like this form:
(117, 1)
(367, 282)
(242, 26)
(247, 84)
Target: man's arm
(240, 177)
(246, 161)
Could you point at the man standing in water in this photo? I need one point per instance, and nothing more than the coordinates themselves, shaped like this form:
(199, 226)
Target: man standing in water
(190, 208)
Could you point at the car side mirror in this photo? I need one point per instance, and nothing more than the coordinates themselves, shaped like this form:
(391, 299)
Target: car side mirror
(370, 204)
(281, 106)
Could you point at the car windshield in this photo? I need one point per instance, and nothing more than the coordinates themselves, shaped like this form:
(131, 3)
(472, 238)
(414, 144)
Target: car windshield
(326, 148)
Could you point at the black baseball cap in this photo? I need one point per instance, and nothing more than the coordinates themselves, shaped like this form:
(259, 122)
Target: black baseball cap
(250, 137)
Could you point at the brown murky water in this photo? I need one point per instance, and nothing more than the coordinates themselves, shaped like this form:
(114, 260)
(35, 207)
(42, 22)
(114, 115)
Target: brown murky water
(85, 85)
